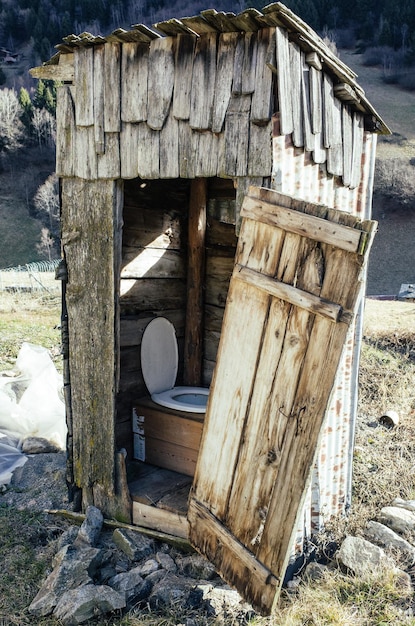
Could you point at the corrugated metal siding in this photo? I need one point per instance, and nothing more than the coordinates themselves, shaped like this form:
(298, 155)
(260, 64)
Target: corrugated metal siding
(329, 494)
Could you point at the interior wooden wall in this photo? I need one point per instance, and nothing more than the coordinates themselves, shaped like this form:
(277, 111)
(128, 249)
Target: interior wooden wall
(154, 272)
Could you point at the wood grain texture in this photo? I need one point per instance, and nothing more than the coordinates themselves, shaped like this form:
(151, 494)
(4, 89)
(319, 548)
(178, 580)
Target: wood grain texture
(285, 318)
(90, 208)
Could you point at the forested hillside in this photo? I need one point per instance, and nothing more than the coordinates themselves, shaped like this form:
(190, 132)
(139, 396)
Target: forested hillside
(383, 30)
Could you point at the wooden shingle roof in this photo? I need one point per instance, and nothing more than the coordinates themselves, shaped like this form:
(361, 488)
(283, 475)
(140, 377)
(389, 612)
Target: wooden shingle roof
(212, 21)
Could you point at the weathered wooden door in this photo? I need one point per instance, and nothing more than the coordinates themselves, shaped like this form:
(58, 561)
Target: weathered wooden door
(292, 296)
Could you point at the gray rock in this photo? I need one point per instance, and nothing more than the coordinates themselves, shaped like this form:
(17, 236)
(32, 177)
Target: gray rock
(196, 566)
(315, 571)
(166, 562)
(72, 568)
(362, 557)
(387, 538)
(149, 567)
(134, 545)
(171, 591)
(399, 519)
(91, 527)
(90, 601)
(222, 601)
(134, 587)
(68, 537)
(409, 505)
(126, 580)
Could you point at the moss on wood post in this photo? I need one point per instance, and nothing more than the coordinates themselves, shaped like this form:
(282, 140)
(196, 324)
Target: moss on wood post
(91, 239)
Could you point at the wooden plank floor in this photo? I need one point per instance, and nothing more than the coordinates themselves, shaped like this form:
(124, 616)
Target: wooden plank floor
(158, 487)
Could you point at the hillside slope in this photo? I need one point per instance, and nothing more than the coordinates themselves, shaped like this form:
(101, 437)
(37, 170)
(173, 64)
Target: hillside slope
(20, 228)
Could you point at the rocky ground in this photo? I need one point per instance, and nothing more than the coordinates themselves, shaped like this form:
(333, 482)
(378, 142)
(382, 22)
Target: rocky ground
(101, 571)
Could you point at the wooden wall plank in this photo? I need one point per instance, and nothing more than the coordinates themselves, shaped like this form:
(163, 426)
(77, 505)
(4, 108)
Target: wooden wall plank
(129, 140)
(237, 136)
(236, 143)
(347, 125)
(85, 161)
(186, 153)
(218, 274)
(296, 80)
(109, 163)
(238, 65)
(284, 81)
(332, 130)
(205, 150)
(309, 138)
(203, 82)
(98, 79)
(144, 295)
(184, 55)
(65, 131)
(262, 99)
(358, 131)
(169, 148)
(316, 80)
(132, 327)
(160, 81)
(260, 150)
(134, 82)
(83, 74)
(148, 152)
(224, 76)
(249, 63)
(112, 88)
(152, 262)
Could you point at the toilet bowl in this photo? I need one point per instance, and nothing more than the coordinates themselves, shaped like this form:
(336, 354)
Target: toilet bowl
(159, 362)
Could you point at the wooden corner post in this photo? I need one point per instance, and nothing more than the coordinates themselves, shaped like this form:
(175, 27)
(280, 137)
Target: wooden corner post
(193, 349)
(91, 240)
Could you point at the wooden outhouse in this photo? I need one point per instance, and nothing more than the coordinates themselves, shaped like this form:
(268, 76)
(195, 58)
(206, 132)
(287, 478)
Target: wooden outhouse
(216, 171)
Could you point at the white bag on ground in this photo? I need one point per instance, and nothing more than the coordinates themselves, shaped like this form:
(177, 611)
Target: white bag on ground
(31, 400)
(10, 458)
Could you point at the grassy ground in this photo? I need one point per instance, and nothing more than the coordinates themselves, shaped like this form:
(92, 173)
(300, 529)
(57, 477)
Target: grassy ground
(383, 470)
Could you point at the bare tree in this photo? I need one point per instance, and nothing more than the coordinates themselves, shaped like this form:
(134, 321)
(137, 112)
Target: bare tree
(45, 247)
(46, 201)
(44, 126)
(11, 127)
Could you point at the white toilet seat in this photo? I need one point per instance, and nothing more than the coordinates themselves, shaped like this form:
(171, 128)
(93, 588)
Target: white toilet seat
(159, 363)
(189, 399)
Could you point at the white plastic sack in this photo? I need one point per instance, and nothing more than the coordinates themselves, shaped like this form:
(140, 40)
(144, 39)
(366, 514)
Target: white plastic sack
(10, 458)
(31, 400)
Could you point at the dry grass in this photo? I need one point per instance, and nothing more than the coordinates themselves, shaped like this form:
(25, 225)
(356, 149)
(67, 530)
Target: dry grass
(34, 318)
